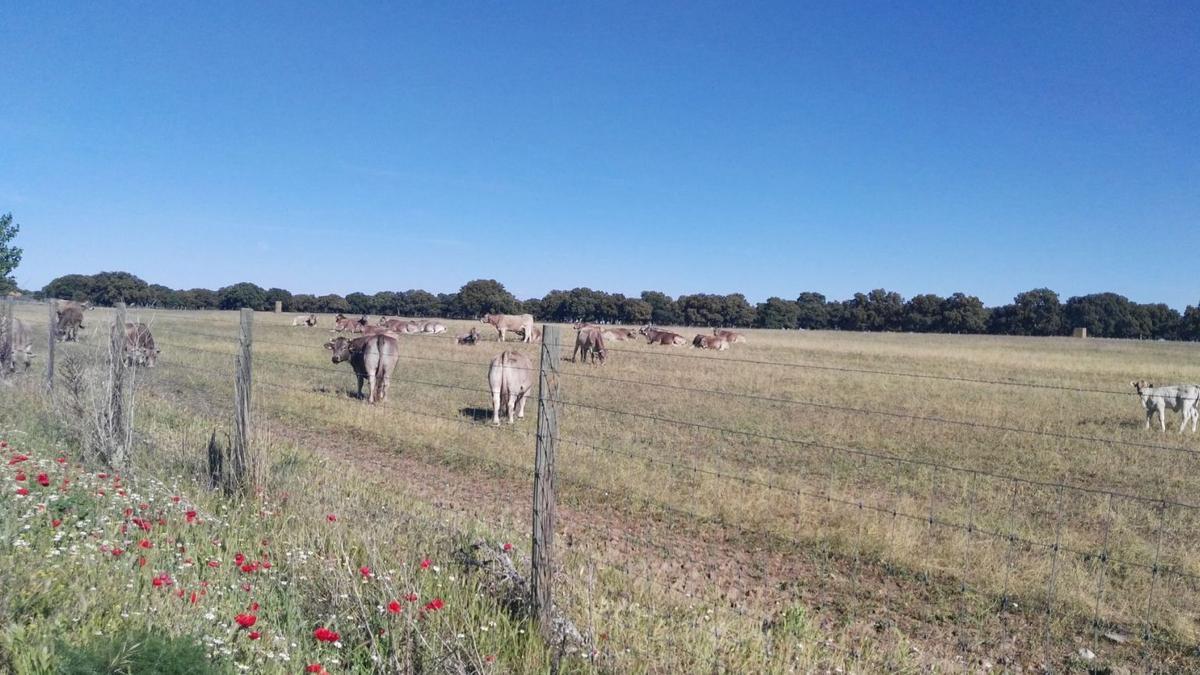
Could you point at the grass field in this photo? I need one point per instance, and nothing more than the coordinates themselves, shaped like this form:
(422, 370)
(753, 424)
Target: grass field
(807, 500)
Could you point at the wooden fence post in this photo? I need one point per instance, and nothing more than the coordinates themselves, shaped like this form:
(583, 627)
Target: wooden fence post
(53, 324)
(542, 573)
(118, 453)
(243, 467)
(7, 358)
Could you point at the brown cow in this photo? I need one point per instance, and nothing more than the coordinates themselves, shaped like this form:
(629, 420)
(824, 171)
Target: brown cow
(373, 358)
(590, 341)
(70, 320)
(360, 325)
(732, 336)
(655, 336)
(717, 342)
(395, 325)
(469, 338)
(140, 349)
(620, 334)
(21, 347)
(511, 322)
(510, 377)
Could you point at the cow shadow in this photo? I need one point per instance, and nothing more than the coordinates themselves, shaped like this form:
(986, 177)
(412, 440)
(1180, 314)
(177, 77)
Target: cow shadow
(476, 414)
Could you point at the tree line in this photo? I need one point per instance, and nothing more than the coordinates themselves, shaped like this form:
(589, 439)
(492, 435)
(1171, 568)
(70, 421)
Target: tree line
(1035, 312)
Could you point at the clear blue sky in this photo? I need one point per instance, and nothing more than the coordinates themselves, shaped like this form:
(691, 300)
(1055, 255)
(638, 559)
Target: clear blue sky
(698, 147)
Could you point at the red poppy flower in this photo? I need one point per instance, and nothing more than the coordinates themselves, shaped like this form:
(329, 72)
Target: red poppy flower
(246, 587)
(507, 547)
(162, 580)
(395, 607)
(411, 597)
(141, 561)
(146, 543)
(190, 516)
(128, 512)
(250, 567)
(17, 459)
(101, 475)
(23, 491)
(434, 605)
(175, 498)
(193, 597)
(331, 518)
(142, 524)
(365, 571)
(314, 668)
(20, 476)
(43, 480)
(117, 552)
(254, 635)
(266, 564)
(425, 564)
(61, 460)
(214, 563)
(245, 620)
(323, 634)
(143, 506)
(239, 559)
(55, 523)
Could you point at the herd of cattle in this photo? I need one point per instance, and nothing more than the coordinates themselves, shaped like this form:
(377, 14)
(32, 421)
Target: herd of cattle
(373, 354)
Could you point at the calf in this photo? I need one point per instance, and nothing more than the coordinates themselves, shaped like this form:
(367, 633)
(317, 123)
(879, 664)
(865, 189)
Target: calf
(469, 338)
(655, 336)
(1183, 398)
(590, 341)
(140, 349)
(373, 358)
(510, 377)
(717, 342)
(522, 323)
(732, 336)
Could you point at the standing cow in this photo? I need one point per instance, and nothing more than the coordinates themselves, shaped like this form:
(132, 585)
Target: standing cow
(373, 358)
(140, 349)
(510, 377)
(590, 341)
(70, 320)
(21, 350)
(522, 323)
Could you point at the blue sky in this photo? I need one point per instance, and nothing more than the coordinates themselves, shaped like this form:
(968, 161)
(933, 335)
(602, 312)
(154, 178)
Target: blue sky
(692, 147)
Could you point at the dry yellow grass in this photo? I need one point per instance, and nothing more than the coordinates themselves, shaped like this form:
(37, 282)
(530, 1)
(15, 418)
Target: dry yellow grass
(825, 504)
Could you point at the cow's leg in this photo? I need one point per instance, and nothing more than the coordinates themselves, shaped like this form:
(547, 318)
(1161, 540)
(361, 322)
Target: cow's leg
(496, 406)
(1162, 418)
(521, 404)
(372, 383)
(360, 385)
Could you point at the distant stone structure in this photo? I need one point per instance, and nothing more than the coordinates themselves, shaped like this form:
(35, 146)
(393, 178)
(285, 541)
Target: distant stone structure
(1080, 332)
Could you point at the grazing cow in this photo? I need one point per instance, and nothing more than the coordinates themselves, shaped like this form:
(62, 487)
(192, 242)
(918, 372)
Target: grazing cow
(733, 337)
(433, 328)
(22, 347)
(140, 349)
(1183, 398)
(510, 377)
(309, 320)
(70, 320)
(373, 358)
(590, 341)
(469, 338)
(522, 323)
(655, 336)
(717, 342)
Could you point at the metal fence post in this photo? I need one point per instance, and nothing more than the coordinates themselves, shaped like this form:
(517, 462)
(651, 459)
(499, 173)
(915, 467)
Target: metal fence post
(243, 467)
(51, 343)
(542, 573)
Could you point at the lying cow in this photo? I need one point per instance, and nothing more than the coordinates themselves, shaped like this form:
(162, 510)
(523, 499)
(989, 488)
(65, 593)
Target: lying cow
(22, 347)
(373, 358)
(655, 336)
(342, 324)
(309, 320)
(140, 349)
(717, 342)
(433, 328)
(510, 377)
(70, 320)
(733, 337)
(522, 323)
(590, 341)
(468, 338)
(1183, 398)
(620, 334)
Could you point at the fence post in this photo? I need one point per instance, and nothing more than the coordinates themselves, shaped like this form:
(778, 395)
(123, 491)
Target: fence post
(53, 318)
(118, 454)
(7, 358)
(542, 573)
(243, 467)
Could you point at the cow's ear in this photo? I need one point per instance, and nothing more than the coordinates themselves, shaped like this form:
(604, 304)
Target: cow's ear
(328, 345)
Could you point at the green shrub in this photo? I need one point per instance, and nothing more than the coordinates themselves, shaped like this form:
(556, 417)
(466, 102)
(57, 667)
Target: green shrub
(138, 654)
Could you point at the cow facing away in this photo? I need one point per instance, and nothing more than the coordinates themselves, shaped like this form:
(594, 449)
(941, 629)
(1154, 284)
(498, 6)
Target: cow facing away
(655, 336)
(522, 323)
(733, 337)
(21, 351)
(373, 358)
(717, 342)
(510, 378)
(590, 341)
(1184, 398)
(140, 349)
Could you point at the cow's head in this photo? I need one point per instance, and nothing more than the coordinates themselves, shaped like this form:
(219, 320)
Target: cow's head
(145, 356)
(1141, 385)
(340, 348)
(486, 318)
(644, 329)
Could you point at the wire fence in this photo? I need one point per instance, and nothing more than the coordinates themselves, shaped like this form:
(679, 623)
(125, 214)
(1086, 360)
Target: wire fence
(1020, 554)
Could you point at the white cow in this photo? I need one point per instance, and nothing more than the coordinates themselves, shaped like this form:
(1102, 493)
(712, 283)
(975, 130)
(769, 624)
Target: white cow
(1184, 398)
(510, 378)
